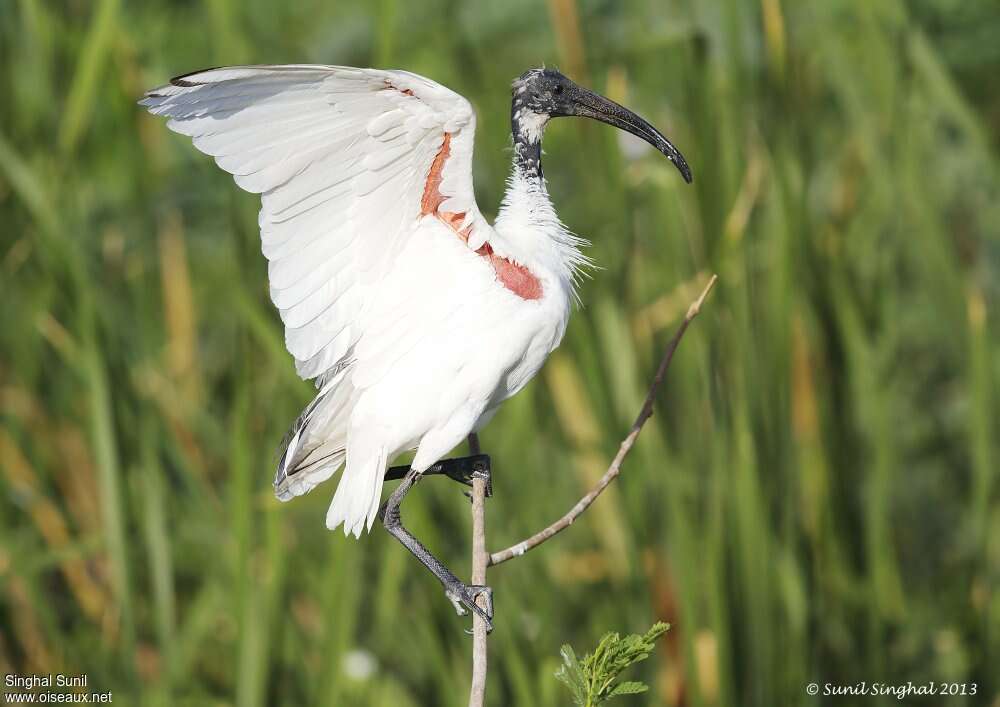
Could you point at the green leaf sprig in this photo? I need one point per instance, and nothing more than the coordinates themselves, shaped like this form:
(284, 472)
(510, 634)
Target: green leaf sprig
(594, 679)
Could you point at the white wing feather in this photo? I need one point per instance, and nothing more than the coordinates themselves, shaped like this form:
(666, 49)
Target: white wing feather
(340, 157)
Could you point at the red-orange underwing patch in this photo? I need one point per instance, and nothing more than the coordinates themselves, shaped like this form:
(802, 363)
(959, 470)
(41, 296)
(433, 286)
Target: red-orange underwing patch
(515, 277)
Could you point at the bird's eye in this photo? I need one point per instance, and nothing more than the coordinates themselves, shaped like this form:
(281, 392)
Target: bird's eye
(558, 88)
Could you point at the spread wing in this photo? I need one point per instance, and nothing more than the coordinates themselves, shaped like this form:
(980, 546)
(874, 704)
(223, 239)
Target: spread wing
(345, 161)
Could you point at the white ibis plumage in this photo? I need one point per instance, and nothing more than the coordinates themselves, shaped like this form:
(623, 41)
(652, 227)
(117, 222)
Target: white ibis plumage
(414, 315)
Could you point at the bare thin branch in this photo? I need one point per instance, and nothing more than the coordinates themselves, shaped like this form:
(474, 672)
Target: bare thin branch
(480, 560)
(626, 446)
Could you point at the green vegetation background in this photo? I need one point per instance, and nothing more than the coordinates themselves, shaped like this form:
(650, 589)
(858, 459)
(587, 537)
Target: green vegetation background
(815, 500)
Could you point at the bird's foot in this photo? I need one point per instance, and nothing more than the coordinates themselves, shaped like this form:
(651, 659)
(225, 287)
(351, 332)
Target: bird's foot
(481, 470)
(463, 597)
(463, 470)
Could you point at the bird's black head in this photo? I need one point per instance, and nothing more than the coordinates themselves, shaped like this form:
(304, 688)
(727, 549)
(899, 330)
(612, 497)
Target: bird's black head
(541, 94)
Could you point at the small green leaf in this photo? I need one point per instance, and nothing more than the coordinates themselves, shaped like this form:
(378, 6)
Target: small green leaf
(571, 674)
(632, 687)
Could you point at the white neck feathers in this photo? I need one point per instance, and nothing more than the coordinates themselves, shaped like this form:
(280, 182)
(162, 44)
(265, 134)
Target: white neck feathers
(529, 226)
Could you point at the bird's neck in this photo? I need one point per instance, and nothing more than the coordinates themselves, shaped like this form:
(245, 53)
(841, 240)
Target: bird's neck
(527, 129)
(527, 219)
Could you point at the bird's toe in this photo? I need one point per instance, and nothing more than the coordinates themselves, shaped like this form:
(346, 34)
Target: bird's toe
(463, 597)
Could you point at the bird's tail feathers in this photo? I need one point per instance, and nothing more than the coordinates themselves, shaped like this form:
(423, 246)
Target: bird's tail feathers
(356, 502)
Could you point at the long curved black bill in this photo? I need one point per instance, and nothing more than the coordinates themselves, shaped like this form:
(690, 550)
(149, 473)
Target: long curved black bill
(588, 104)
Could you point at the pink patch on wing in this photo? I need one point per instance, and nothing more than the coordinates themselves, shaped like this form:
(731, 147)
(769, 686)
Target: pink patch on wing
(388, 84)
(515, 277)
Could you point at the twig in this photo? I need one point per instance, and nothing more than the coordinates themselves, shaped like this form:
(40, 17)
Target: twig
(480, 560)
(615, 468)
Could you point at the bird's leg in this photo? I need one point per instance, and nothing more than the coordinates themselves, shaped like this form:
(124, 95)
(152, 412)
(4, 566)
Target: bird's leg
(463, 596)
(463, 470)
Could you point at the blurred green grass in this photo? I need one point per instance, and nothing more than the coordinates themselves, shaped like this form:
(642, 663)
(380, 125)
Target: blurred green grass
(815, 500)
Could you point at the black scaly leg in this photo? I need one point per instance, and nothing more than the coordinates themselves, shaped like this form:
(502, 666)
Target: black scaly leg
(462, 470)
(463, 596)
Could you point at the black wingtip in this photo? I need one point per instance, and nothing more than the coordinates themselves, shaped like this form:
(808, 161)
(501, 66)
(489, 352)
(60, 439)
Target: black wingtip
(182, 82)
